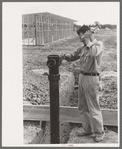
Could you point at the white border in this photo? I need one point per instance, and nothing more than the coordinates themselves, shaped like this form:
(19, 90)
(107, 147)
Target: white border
(12, 114)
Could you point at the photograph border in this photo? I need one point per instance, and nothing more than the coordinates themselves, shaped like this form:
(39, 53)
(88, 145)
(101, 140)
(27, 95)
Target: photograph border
(2, 59)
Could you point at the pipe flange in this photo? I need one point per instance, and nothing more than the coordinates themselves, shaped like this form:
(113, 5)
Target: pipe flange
(54, 77)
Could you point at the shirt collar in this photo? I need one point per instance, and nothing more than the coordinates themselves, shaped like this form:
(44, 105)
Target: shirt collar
(94, 41)
(91, 43)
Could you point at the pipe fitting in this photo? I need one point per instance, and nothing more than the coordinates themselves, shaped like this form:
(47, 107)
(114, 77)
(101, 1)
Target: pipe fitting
(51, 63)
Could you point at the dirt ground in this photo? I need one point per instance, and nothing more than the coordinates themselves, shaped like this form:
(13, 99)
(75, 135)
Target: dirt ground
(36, 89)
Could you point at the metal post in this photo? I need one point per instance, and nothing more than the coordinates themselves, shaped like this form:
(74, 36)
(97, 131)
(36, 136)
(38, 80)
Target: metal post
(54, 76)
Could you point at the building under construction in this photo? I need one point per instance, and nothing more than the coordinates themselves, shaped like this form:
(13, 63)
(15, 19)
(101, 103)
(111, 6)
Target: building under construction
(41, 28)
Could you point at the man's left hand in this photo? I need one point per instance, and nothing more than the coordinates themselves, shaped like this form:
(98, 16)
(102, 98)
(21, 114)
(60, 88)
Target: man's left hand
(87, 38)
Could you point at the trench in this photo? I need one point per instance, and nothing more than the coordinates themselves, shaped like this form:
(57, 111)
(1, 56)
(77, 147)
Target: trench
(43, 137)
(66, 88)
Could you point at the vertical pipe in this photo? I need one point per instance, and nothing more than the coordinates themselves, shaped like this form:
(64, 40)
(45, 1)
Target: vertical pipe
(53, 61)
(54, 114)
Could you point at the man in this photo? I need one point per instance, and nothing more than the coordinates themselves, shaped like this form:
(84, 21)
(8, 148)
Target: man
(88, 94)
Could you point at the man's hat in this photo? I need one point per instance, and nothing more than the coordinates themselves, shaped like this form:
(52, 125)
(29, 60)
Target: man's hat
(83, 29)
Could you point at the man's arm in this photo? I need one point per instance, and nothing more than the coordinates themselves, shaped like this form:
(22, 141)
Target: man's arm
(73, 56)
(95, 49)
(94, 46)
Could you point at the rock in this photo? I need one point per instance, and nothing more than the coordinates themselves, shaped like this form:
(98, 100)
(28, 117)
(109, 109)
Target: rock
(34, 97)
(40, 71)
(27, 102)
(31, 131)
(67, 82)
(38, 100)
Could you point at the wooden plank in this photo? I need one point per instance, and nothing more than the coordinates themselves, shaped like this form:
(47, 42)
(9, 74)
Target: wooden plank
(39, 30)
(67, 114)
(35, 30)
(42, 31)
(48, 29)
(28, 28)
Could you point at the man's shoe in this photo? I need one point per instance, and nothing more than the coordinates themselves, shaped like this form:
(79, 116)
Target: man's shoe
(99, 138)
(84, 133)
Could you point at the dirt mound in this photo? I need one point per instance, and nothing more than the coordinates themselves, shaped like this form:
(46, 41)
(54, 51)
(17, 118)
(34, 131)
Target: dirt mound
(36, 59)
(110, 41)
(108, 100)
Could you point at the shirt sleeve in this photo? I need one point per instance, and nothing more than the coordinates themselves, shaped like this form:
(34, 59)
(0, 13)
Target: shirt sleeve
(74, 55)
(96, 49)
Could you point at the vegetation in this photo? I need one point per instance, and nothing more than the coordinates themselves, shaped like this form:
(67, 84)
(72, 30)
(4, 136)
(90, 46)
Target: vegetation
(103, 26)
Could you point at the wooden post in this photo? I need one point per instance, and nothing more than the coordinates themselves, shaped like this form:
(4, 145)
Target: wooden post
(70, 28)
(63, 30)
(52, 32)
(39, 29)
(23, 30)
(48, 29)
(35, 31)
(42, 31)
(28, 28)
(56, 30)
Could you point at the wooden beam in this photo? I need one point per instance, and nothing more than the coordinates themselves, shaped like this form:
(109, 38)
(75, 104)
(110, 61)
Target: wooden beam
(35, 30)
(28, 28)
(48, 30)
(42, 20)
(39, 38)
(23, 30)
(67, 114)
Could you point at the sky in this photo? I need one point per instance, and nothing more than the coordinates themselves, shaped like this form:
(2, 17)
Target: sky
(83, 12)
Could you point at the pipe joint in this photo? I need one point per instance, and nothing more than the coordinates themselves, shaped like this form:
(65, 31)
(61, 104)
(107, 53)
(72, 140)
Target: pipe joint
(54, 77)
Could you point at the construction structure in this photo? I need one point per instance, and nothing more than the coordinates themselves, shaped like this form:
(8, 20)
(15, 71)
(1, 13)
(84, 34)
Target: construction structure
(41, 28)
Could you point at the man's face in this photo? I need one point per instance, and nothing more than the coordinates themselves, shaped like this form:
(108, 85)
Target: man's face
(86, 37)
(81, 36)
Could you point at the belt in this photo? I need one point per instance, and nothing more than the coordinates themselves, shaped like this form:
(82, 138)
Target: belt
(90, 74)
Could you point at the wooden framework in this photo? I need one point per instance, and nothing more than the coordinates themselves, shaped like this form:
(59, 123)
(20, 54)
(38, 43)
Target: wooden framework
(67, 114)
(41, 28)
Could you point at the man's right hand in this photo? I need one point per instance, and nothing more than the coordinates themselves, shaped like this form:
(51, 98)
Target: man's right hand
(67, 57)
(61, 57)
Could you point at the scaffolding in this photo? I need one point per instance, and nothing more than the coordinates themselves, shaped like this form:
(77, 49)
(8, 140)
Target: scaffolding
(42, 28)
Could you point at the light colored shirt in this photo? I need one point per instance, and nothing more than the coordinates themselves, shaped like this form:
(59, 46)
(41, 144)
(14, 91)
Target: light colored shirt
(90, 56)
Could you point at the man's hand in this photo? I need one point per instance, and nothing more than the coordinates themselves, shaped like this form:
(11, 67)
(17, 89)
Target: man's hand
(88, 35)
(61, 57)
(67, 57)
(87, 38)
